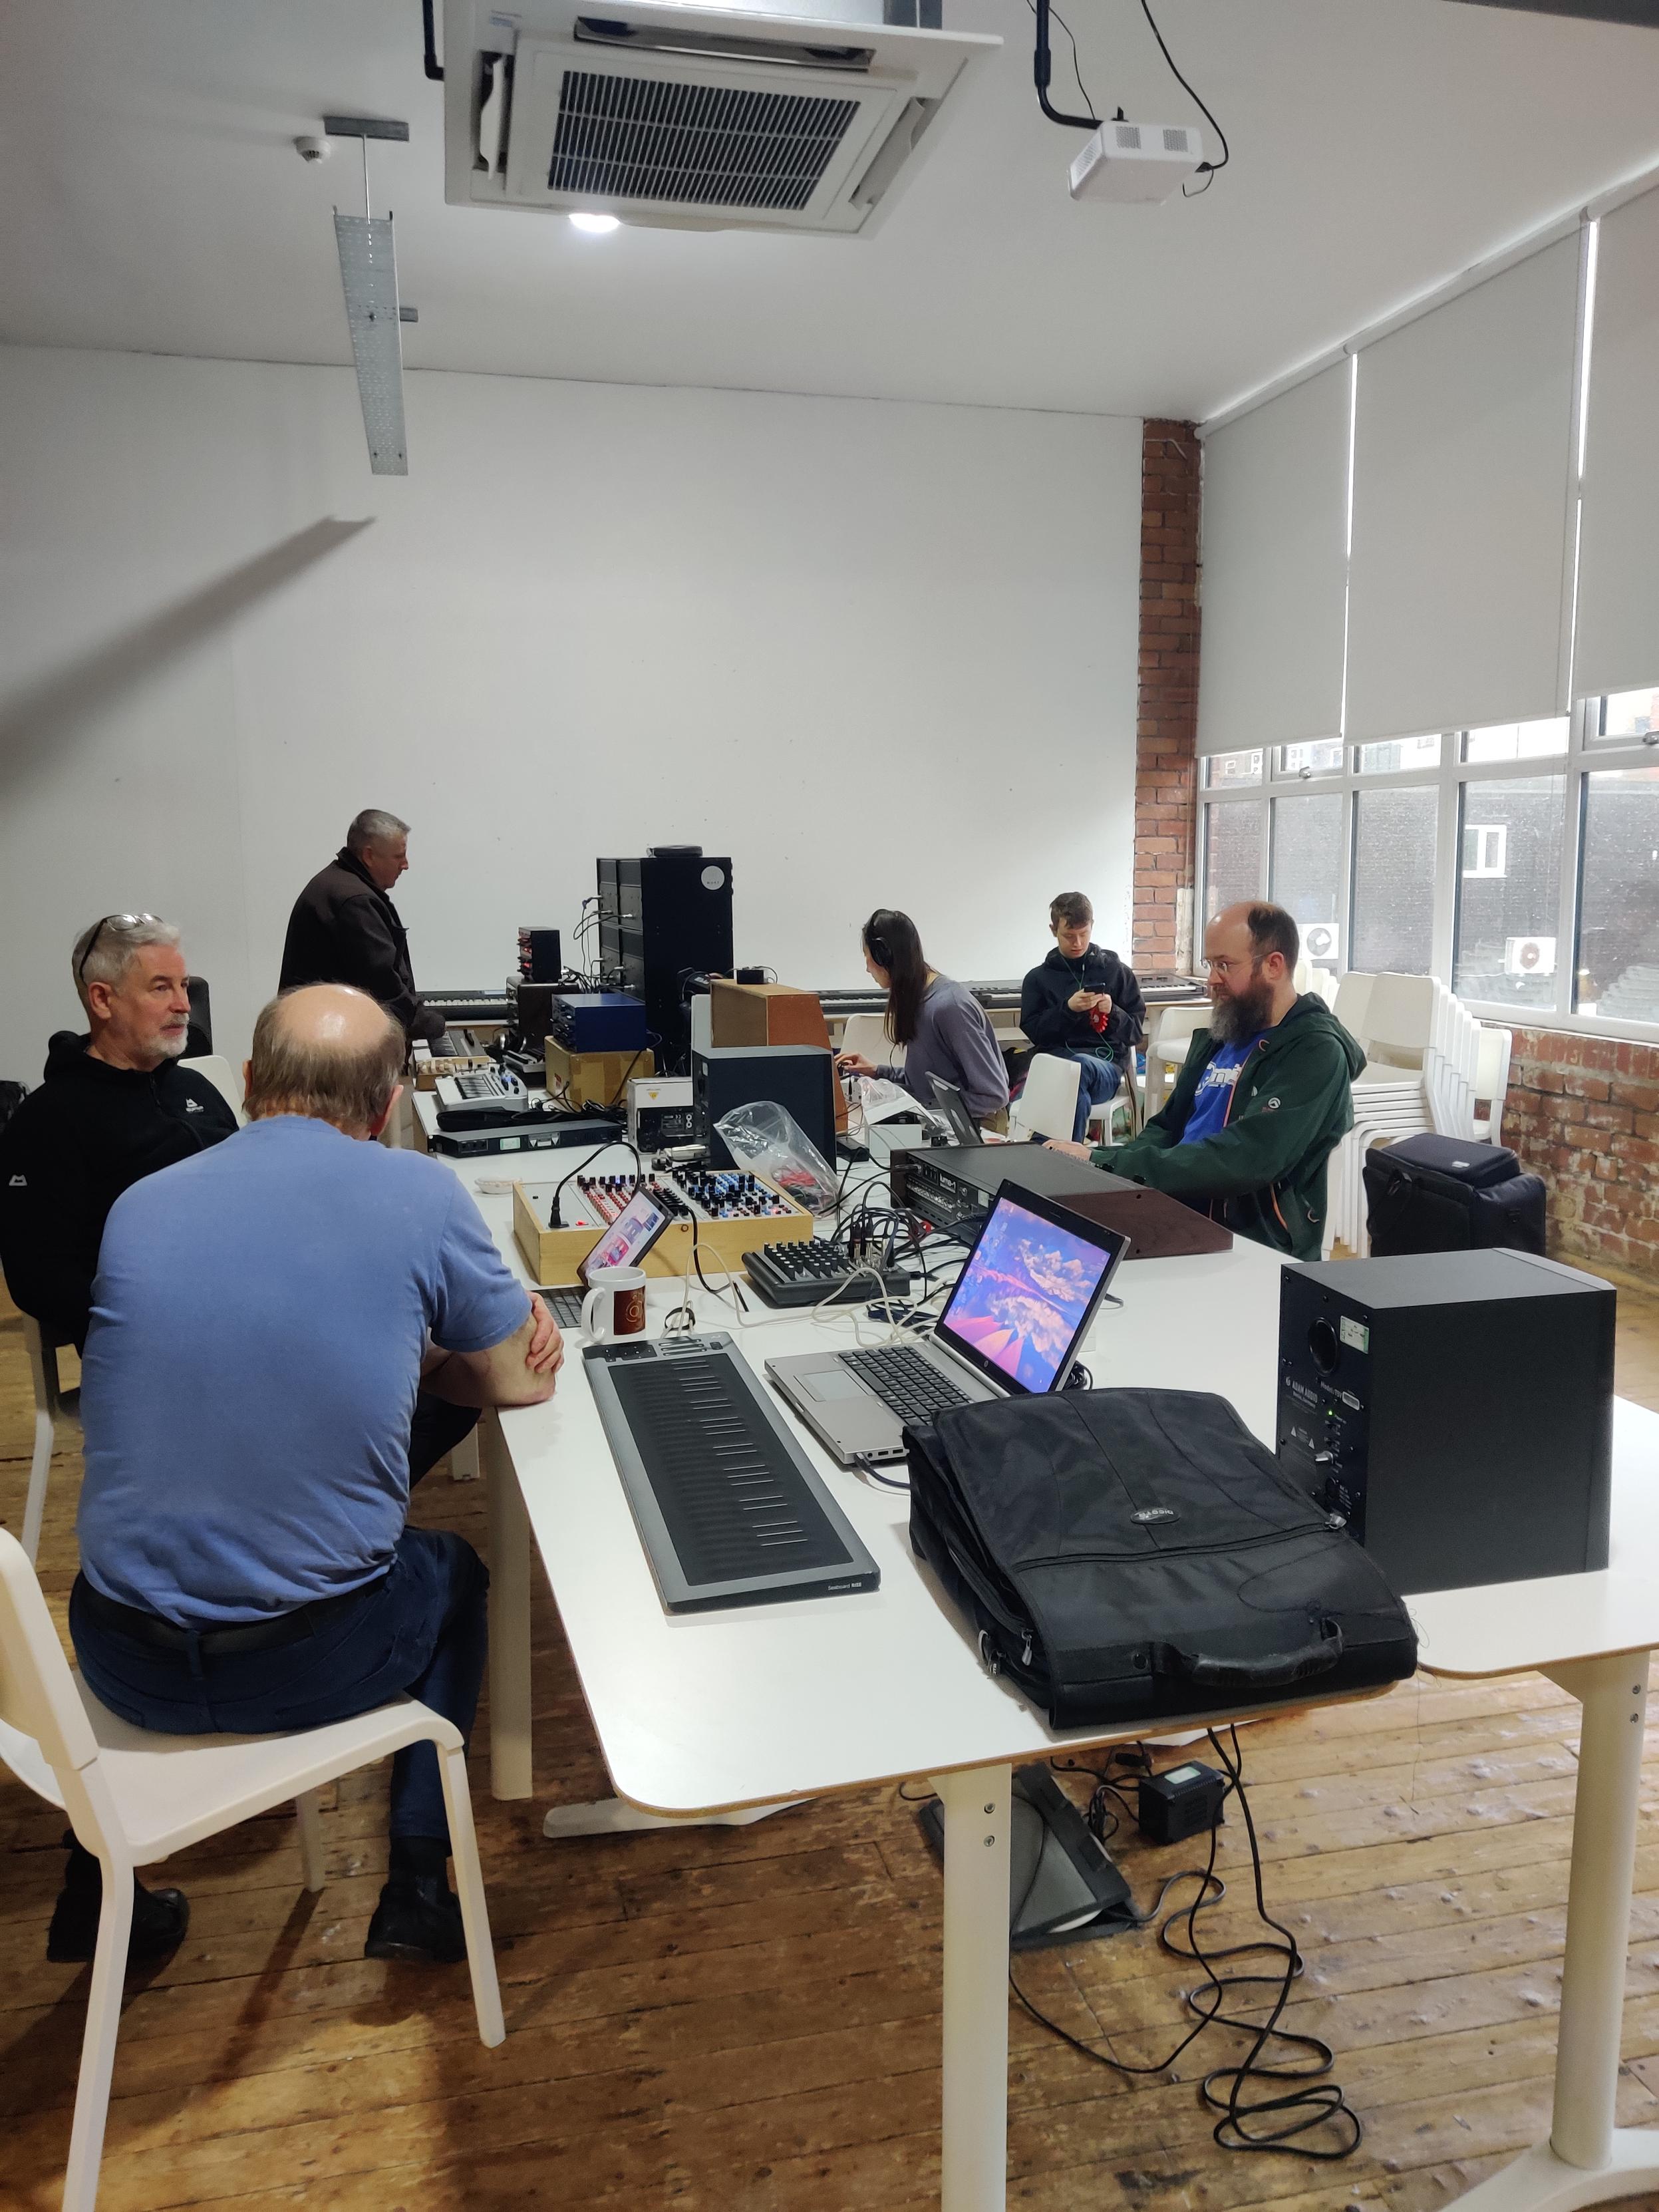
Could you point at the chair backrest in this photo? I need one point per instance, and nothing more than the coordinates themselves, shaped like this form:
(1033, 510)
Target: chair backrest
(1047, 1105)
(222, 1076)
(1354, 997)
(1176, 1030)
(1398, 1020)
(38, 1697)
(1492, 1080)
(867, 1034)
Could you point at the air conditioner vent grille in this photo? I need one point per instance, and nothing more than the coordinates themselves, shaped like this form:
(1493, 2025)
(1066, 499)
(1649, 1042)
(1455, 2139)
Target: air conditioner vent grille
(643, 138)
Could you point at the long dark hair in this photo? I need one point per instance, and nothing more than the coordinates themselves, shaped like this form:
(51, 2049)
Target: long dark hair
(890, 940)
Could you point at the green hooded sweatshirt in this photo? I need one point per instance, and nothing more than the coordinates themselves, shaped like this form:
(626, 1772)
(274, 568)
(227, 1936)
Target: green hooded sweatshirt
(1263, 1175)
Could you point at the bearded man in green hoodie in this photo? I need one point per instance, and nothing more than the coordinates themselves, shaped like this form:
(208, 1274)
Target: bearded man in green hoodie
(1262, 1100)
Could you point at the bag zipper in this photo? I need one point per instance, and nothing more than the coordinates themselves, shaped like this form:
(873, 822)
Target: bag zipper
(1320, 1528)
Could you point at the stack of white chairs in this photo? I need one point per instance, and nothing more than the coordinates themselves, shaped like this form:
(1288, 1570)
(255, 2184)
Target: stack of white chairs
(1423, 1070)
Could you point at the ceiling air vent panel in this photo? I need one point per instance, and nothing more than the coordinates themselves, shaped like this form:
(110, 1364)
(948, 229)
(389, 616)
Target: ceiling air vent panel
(632, 139)
(685, 117)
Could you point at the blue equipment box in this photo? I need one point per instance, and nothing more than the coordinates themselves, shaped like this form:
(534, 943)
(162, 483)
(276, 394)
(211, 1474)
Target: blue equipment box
(597, 1021)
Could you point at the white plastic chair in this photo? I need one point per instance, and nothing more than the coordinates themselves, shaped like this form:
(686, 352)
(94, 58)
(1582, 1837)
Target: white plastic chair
(1125, 1101)
(867, 1034)
(1492, 1083)
(1352, 1001)
(1046, 1107)
(218, 1071)
(133, 1796)
(1166, 1051)
(50, 1401)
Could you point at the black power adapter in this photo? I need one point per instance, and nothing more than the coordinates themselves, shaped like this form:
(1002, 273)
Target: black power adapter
(1185, 1801)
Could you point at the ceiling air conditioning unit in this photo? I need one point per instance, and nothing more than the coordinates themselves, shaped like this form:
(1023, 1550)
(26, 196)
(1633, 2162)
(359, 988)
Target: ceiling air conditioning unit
(687, 118)
(1321, 942)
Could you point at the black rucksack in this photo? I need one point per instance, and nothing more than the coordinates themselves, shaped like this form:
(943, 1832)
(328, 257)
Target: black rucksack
(1431, 1193)
(1134, 1555)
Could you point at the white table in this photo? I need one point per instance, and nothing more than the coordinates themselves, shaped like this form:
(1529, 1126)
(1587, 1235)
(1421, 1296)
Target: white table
(712, 1712)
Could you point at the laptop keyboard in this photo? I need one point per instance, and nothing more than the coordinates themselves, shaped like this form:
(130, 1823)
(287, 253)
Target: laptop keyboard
(565, 1306)
(907, 1384)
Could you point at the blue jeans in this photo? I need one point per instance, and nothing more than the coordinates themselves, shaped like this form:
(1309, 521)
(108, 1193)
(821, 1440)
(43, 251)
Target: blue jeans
(1099, 1081)
(421, 1629)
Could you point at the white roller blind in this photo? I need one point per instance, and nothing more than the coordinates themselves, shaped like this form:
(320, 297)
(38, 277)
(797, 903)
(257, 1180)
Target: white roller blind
(1463, 466)
(1275, 496)
(1619, 553)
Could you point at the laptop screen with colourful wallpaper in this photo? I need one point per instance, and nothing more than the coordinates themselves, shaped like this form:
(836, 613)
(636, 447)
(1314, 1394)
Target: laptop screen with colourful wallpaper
(1022, 1303)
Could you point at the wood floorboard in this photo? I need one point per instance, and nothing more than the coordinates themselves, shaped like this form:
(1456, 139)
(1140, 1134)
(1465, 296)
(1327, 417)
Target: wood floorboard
(747, 2019)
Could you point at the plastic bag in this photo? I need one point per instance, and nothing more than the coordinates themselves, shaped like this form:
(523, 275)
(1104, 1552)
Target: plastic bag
(766, 1139)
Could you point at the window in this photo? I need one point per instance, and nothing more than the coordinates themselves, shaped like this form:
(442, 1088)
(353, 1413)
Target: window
(1394, 838)
(1486, 848)
(1225, 771)
(1617, 974)
(1508, 915)
(1306, 872)
(1232, 854)
(1520, 863)
(1626, 717)
(1323, 757)
(1516, 740)
(1396, 755)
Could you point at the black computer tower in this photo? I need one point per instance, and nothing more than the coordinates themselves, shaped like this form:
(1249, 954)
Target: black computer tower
(798, 1077)
(661, 919)
(1455, 1408)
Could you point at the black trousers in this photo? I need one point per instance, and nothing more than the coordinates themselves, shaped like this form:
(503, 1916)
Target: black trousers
(436, 1429)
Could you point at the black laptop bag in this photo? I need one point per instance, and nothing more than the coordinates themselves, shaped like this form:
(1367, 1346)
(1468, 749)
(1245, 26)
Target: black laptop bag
(1136, 1555)
(1433, 1194)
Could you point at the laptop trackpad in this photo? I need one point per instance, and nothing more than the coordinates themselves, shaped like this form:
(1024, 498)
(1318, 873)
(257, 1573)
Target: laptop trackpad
(834, 1382)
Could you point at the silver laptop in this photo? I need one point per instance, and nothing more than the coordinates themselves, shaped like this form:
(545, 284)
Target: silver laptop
(1011, 1328)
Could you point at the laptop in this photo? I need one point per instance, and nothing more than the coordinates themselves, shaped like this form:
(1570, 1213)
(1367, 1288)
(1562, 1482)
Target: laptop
(953, 1110)
(1012, 1327)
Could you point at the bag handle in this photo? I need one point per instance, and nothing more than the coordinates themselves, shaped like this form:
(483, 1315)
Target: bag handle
(1268, 1672)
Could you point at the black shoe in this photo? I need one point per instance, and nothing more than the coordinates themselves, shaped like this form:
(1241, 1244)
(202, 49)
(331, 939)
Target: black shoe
(418, 1916)
(159, 1916)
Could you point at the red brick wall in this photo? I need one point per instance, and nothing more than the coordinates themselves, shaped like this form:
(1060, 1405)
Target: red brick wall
(1583, 1113)
(1166, 790)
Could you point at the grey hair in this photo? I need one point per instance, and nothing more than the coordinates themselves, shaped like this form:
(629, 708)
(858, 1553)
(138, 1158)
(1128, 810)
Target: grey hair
(117, 943)
(351, 1088)
(375, 826)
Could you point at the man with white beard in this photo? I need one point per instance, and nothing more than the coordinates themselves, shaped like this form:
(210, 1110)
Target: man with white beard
(114, 1107)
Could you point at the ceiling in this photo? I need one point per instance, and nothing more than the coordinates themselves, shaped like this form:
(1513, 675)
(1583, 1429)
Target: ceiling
(154, 201)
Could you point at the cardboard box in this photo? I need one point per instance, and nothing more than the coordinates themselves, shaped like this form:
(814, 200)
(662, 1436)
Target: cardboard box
(747, 1014)
(552, 1254)
(595, 1078)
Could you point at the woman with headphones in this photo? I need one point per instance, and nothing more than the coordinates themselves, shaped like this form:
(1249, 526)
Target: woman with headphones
(942, 1026)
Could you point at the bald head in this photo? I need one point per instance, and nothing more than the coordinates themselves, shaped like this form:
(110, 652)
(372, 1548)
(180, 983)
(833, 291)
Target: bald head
(329, 1053)
(1251, 952)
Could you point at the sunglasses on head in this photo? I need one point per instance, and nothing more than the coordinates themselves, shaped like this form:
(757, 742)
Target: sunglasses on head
(121, 921)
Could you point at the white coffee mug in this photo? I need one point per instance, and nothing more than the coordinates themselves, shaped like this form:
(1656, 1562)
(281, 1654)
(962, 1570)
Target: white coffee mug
(615, 1305)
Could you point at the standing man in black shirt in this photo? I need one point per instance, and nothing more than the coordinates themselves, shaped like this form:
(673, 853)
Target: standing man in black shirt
(1082, 1004)
(344, 928)
(115, 1106)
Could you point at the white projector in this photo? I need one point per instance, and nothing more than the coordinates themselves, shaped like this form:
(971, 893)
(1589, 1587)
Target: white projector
(1137, 161)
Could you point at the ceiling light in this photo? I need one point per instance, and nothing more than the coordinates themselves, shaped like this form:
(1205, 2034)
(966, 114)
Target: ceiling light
(595, 225)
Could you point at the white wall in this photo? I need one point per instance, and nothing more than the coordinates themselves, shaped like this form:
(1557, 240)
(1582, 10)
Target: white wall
(879, 653)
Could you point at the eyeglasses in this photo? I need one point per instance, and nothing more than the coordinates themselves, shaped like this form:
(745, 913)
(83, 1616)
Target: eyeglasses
(121, 921)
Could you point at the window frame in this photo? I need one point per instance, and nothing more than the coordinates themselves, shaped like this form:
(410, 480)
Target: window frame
(1587, 753)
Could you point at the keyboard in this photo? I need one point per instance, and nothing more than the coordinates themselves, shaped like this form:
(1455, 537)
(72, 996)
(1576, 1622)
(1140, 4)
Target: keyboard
(817, 1272)
(907, 1384)
(565, 1306)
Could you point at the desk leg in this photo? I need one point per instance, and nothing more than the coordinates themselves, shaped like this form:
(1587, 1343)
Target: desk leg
(509, 1617)
(975, 2090)
(1587, 2160)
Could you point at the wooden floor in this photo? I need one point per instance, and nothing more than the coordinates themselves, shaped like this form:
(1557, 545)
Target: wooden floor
(747, 2021)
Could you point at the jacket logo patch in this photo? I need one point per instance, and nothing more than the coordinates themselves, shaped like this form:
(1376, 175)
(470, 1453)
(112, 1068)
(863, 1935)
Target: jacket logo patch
(192, 1105)
(1155, 1513)
(1271, 1103)
(18, 1182)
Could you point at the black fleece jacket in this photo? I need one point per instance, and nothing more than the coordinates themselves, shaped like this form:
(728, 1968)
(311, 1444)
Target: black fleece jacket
(344, 929)
(67, 1154)
(1052, 1026)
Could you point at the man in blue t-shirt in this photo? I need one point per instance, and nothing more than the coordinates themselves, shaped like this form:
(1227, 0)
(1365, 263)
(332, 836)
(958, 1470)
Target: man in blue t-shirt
(262, 1317)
